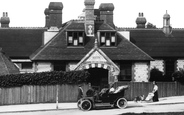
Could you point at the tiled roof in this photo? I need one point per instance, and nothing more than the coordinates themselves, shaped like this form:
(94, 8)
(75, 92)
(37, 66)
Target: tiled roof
(57, 49)
(99, 25)
(155, 43)
(78, 25)
(6, 66)
(20, 42)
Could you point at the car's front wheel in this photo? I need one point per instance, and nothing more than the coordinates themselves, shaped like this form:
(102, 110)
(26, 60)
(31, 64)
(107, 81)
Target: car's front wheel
(86, 105)
(121, 103)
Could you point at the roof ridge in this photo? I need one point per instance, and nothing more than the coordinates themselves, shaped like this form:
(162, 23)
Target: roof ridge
(178, 28)
(23, 27)
(77, 20)
(125, 29)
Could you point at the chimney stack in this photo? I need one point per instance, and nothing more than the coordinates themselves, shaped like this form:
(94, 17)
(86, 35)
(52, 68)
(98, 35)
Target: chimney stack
(89, 17)
(141, 21)
(46, 12)
(53, 15)
(106, 13)
(5, 20)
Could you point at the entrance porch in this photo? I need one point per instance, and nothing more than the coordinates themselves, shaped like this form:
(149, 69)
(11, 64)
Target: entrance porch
(98, 78)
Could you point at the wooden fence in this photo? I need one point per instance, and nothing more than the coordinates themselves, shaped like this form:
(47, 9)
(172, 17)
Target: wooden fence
(68, 93)
(39, 94)
(165, 89)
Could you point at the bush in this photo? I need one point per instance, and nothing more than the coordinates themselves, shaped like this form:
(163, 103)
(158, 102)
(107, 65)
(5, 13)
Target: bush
(156, 75)
(44, 78)
(179, 75)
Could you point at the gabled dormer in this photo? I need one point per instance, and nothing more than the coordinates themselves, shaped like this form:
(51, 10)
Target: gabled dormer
(75, 38)
(107, 38)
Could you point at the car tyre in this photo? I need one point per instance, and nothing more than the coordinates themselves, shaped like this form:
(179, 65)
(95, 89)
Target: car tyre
(86, 105)
(121, 103)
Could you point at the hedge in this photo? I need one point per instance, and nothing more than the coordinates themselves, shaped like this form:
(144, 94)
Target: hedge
(44, 78)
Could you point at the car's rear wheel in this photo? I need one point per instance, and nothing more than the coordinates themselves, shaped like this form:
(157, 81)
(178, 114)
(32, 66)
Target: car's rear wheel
(79, 103)
(86, 105)
(121, 103)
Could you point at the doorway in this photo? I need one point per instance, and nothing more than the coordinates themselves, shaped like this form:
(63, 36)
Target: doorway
(98, 77)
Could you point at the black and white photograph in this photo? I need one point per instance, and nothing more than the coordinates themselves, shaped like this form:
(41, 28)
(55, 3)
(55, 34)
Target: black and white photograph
(86, 57)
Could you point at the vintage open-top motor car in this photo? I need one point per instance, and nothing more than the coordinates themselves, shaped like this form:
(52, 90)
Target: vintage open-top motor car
(104, 98)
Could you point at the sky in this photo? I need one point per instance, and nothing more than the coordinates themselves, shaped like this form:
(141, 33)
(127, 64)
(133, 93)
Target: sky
(30, 13)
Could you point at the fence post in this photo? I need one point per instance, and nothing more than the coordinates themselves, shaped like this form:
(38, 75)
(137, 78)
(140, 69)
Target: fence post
(176, 88)
(57, 93)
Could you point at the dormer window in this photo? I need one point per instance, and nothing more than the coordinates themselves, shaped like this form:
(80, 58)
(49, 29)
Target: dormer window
(75, 38)
(108, 39)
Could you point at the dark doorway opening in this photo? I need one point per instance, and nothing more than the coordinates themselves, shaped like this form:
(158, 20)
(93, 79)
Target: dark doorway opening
(98, 77)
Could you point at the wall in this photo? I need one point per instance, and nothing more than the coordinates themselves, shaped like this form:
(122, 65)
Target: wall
(180, 64)
(159, 64)
(49, 34)
(43, 66)
(71, 66)
(125, 34)
(140, 72)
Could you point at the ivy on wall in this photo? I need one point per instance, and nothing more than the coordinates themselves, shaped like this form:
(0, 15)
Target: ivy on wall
(44, 78)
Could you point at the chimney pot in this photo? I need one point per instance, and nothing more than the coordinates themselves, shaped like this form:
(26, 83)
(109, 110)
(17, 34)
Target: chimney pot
(141, 21)
(5, 20)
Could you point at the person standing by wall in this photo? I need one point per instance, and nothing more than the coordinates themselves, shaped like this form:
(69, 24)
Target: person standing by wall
(155, 92)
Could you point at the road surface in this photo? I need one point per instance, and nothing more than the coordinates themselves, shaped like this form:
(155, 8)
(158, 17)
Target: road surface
(169, 104)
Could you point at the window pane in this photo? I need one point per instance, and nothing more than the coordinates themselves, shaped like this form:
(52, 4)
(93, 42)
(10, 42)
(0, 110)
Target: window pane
(113, 39)
(75, 35)
(169, 69)
(75, 43)
(102, 39)
(70, 34)
(59, 66)
(125, 74)
(27, 65)
(108, 35)
(80, 34)
(107, 42)
(70, 39)
(112, 34)
(80, 39)
(102, 33)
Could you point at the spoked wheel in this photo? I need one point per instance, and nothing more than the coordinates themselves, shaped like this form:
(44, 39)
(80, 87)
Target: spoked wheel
(86, 105)
(79, 103)
(121, 103)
